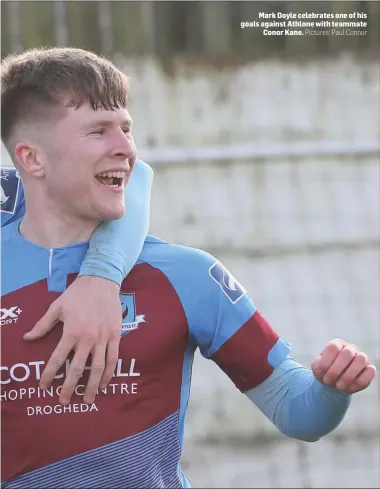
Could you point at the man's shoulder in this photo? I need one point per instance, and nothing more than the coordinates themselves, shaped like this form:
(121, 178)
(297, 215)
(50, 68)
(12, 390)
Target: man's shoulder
(158, 252)
(6, 236)
(191, 269)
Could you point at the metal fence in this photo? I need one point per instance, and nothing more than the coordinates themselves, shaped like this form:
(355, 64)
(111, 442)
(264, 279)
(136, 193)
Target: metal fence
(166, 29)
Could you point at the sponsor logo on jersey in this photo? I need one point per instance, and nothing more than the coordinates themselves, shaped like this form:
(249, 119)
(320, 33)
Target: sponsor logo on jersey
(130, 320)
(229, 285)
(10, 186)
(10, 316)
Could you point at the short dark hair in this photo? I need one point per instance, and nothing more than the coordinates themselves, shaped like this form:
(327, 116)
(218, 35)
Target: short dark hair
(38, 80)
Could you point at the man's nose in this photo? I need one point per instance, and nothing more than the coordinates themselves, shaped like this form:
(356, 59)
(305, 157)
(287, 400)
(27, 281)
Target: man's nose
(124, 146)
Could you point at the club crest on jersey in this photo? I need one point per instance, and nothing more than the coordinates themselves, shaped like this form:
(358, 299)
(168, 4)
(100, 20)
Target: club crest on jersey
(130, 320)
(10, 185)
(229, 285)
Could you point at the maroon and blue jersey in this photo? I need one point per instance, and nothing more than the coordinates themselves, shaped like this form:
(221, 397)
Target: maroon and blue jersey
(175, 300)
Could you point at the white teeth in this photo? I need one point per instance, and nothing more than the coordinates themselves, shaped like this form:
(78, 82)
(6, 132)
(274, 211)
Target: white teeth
(111, 186)
(113, 174)
(120, 175)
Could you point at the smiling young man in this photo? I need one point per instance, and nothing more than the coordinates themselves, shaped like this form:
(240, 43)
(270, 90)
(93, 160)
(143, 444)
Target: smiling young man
(176, 299)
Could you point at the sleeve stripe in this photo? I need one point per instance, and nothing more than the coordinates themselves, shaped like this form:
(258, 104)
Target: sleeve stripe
(250, 355)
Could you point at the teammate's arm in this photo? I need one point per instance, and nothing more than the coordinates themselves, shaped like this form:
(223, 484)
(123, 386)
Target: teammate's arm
(116, 245)
(90, 307)
(235, 336)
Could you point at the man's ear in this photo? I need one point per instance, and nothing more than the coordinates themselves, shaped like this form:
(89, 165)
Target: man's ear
(30, 159)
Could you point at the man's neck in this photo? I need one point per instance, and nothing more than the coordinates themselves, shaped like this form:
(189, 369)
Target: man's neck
(47, 226)
(54, 233)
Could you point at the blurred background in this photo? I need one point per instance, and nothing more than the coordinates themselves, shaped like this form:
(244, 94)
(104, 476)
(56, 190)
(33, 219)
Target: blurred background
(265, 151)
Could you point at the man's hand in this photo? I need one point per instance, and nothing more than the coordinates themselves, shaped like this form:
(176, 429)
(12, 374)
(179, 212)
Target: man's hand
(343, 366)
(90, 310)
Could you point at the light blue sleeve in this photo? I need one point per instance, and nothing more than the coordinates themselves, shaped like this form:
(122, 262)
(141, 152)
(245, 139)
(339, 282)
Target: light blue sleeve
(116, 245)
(299, 405)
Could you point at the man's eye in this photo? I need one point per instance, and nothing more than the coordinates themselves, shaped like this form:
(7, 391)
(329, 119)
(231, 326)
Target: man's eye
(98, 132)
(127, 130)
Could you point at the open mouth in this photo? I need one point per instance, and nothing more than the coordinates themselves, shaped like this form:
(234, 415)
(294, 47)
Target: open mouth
(113, 179)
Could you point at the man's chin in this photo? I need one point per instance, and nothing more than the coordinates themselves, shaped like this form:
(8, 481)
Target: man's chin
(112, 214)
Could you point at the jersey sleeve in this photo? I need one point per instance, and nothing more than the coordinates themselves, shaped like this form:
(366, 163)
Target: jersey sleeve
(12, 196)
(116, 245)
(298, 404)
(228, 328)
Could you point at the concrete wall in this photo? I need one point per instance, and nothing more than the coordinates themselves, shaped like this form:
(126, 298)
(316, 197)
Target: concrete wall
(267, 101)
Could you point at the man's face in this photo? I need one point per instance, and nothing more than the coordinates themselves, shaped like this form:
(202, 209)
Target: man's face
(89, 156)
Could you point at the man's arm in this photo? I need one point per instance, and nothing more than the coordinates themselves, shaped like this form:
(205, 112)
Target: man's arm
(297, 404)
(304, 404)
(308, 404)
(90, 308)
